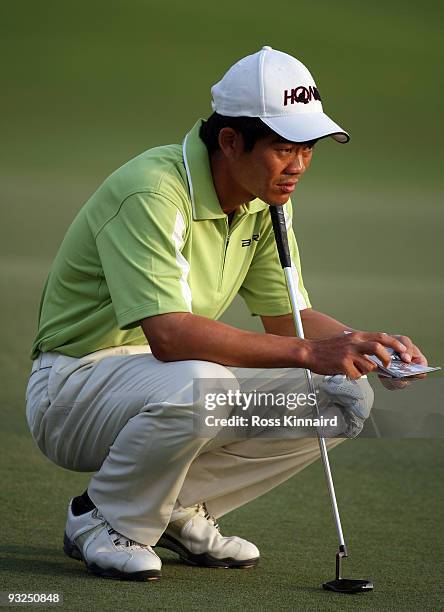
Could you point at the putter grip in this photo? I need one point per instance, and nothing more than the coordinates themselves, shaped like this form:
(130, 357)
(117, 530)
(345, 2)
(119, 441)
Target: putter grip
(280, 234)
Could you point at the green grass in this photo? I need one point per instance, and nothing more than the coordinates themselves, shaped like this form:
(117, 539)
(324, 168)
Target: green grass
(390, 508)
(390, 500)
(86, 86)
(390, 495)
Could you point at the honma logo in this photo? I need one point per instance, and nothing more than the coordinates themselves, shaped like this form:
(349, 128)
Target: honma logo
(301, 94)
(247, 241)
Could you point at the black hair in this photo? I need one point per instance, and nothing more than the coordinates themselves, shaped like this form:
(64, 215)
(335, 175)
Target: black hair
(251, 128)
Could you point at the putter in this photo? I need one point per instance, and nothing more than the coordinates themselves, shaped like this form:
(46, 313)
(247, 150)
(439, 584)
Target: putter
(339, 585)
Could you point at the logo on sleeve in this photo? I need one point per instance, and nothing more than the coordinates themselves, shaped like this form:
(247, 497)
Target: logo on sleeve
(301, 94)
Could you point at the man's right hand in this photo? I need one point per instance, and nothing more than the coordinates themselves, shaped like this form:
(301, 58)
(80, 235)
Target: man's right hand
(347, 353)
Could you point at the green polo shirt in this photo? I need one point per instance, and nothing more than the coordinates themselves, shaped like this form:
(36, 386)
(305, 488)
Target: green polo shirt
(153, 239)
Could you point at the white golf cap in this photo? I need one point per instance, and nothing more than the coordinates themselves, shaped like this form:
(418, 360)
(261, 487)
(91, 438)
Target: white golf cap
(279, 90)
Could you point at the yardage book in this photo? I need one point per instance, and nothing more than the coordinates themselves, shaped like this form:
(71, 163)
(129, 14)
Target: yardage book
(399, 368)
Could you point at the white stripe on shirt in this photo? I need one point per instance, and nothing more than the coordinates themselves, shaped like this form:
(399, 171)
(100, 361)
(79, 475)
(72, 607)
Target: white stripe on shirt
(178, 238)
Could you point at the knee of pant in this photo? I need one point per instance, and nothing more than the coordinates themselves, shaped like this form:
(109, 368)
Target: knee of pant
(207, 369)
(211, 379)
(214, 389)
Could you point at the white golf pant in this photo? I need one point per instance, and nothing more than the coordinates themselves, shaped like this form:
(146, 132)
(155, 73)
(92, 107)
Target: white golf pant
(129, 418)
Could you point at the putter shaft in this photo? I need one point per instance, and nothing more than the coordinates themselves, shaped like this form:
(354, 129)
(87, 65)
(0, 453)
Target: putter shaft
(292, 288)
(280, 232)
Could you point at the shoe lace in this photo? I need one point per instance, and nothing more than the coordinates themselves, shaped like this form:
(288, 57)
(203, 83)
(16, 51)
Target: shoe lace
(118, 540)
(203, 508)
(121, 540)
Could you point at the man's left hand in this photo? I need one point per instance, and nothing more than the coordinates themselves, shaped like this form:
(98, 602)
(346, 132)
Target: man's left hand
(411, 355)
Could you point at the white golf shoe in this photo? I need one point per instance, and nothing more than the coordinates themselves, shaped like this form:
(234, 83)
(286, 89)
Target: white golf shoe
(91, 539)
(194, 535)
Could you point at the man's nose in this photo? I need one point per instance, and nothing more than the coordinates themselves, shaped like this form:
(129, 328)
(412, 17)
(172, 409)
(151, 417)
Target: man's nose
(297, 164)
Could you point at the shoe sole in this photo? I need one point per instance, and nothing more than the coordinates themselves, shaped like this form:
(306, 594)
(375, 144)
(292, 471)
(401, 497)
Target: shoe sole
(203, 559)
(72, 551)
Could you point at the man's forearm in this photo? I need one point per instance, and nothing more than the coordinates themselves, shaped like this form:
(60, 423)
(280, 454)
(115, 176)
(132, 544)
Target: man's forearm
(180, 336)
(317, 325)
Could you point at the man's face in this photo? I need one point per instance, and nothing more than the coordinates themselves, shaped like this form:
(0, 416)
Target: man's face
(271, 170)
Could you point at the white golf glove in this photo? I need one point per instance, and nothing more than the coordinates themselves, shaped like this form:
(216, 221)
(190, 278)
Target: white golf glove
(354, 405)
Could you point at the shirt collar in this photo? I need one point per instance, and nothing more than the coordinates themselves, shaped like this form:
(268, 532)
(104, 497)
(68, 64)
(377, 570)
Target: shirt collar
(200, 181)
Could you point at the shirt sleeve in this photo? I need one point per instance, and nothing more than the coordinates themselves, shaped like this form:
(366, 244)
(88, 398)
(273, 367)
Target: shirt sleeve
(140, 253)
(264, 288)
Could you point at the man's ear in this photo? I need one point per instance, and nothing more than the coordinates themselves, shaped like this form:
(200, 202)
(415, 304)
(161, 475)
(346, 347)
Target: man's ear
(231, 142)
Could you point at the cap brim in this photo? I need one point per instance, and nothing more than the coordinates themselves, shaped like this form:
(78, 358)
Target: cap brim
(306, 126)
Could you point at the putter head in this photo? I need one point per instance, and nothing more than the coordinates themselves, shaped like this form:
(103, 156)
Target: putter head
(347, 585)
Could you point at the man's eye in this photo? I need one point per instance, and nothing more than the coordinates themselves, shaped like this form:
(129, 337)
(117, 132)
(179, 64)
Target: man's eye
(286, 150)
